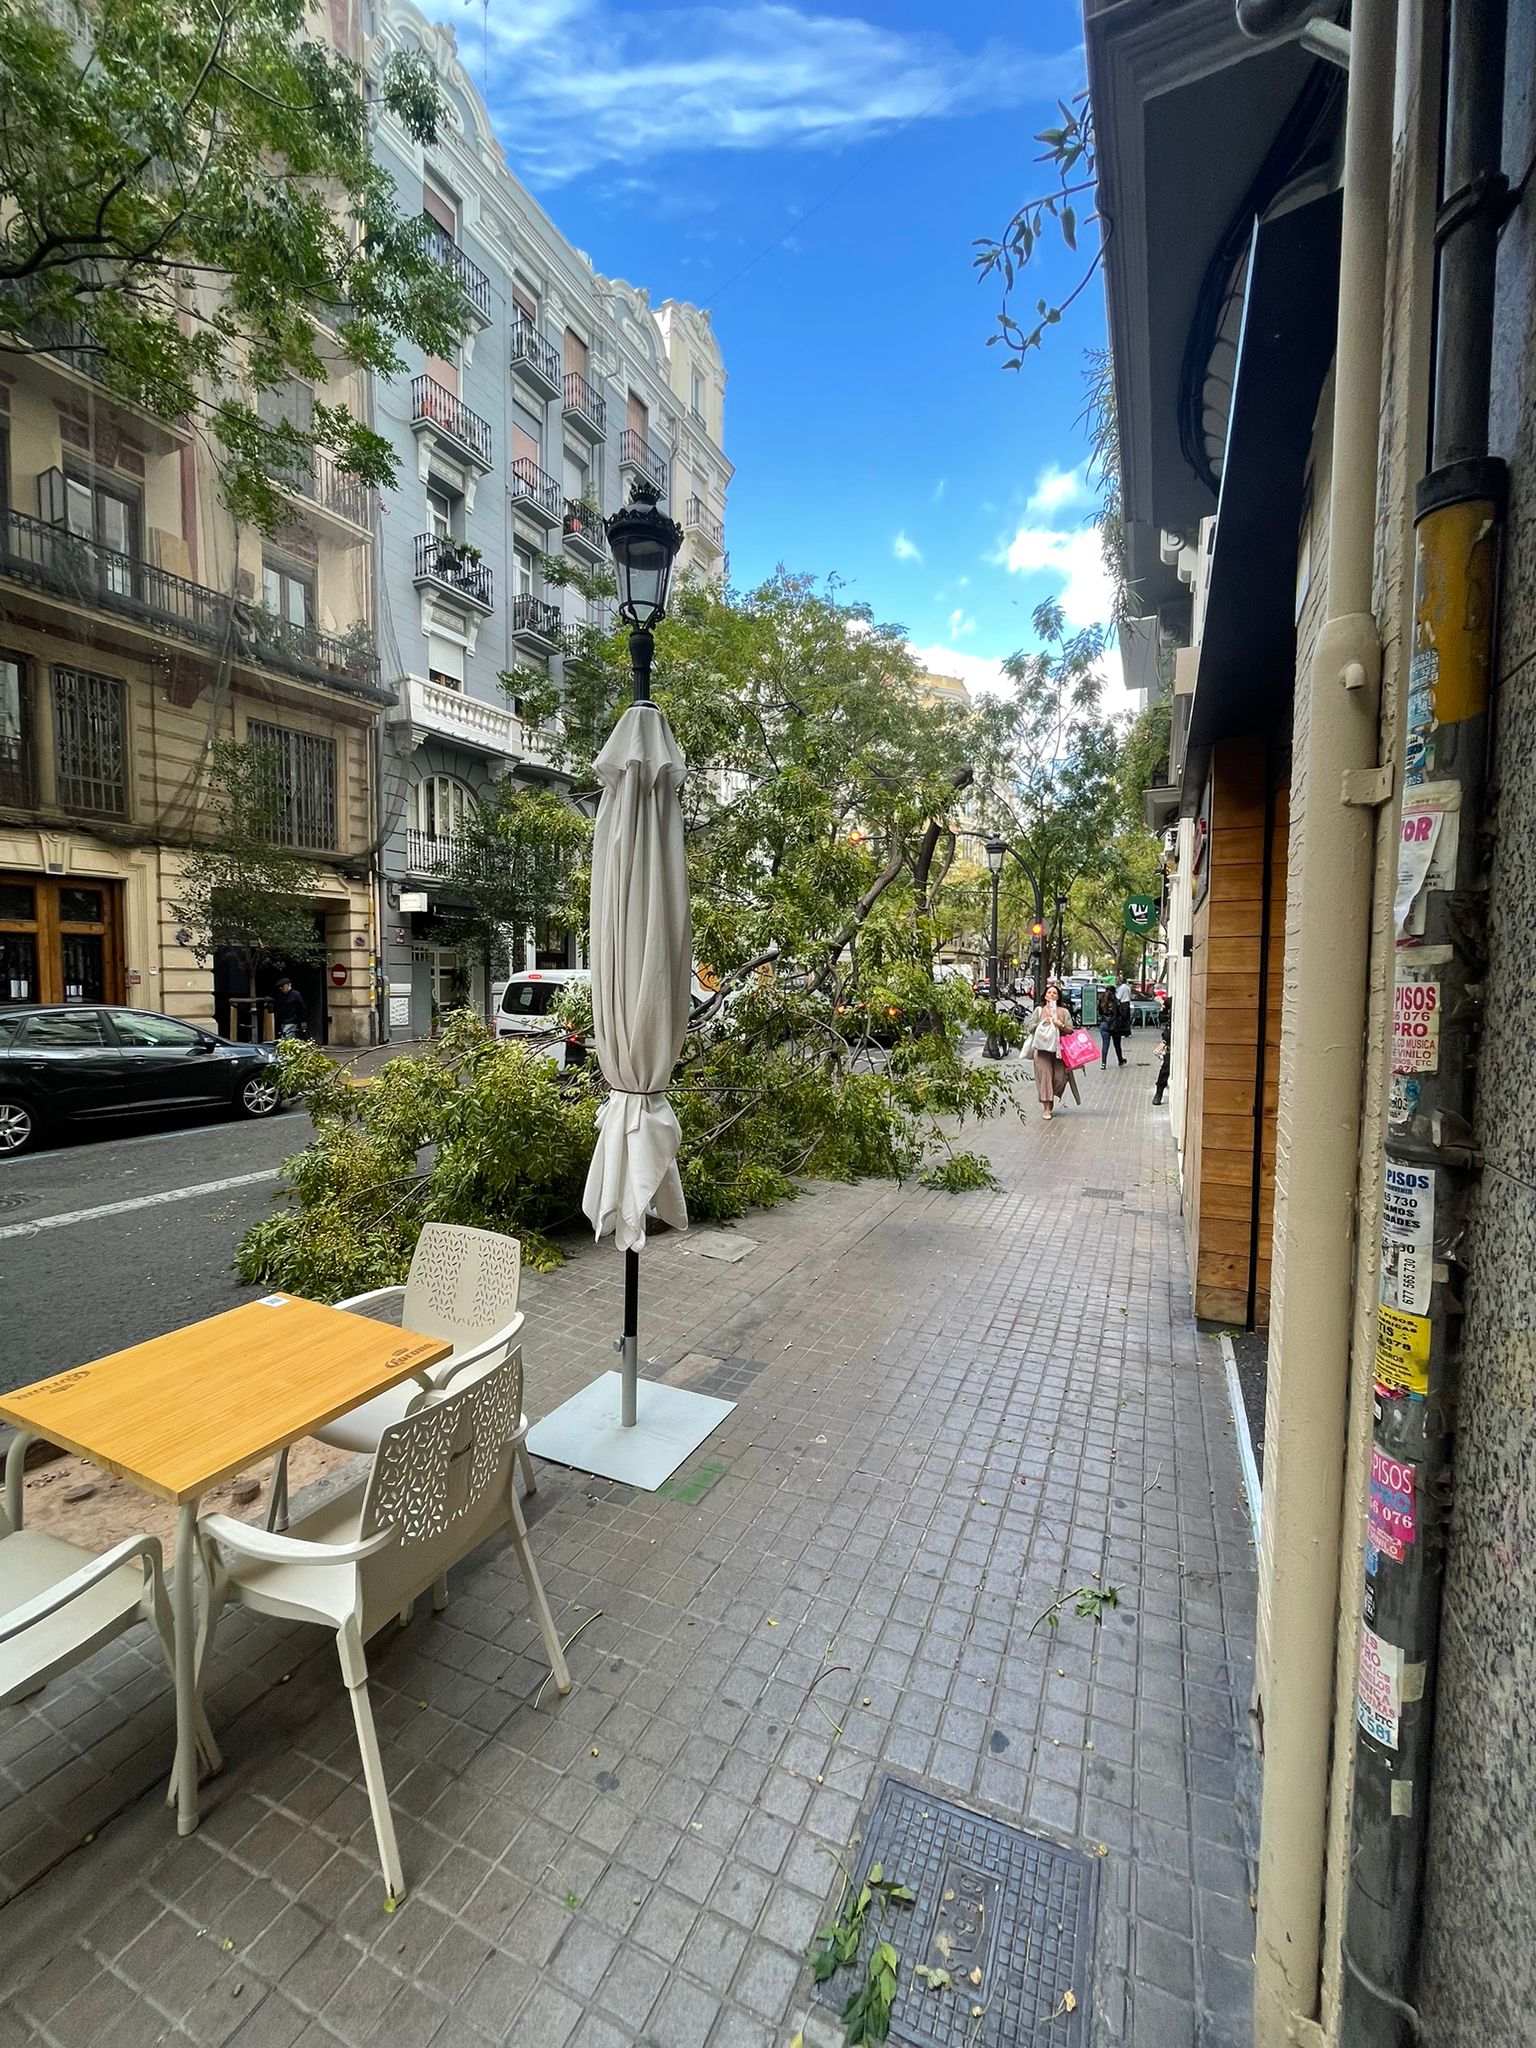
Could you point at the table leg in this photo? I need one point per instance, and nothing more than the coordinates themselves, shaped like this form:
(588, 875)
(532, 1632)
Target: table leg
(184, 1616)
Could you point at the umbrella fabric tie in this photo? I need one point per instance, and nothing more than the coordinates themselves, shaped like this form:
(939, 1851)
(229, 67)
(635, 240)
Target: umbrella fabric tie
(633, 1173)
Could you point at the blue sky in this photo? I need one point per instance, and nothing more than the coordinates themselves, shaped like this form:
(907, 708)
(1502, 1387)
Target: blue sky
(816, 177)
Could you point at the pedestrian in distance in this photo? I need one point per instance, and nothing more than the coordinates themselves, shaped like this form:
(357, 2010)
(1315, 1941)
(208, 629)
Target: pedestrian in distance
(1119, 1024)
(1046, 1026)
(1165, 1030)
(1106, 1024)
(290, 1010)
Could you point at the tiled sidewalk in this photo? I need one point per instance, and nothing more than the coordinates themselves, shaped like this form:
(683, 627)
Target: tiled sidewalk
(950, 1408)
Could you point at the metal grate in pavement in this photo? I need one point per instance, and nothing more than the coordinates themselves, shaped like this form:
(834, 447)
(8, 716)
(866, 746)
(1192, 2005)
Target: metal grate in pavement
(990, 1898)
(1104, 1194)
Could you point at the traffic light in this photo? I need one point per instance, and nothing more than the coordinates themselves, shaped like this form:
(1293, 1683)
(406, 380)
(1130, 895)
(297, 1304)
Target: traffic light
(1037, 930)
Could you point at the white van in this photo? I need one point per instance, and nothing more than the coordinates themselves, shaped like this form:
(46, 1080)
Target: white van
(524, 1012)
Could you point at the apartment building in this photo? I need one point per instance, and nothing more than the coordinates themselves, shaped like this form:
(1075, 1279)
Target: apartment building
(568, 385)
(138, 626)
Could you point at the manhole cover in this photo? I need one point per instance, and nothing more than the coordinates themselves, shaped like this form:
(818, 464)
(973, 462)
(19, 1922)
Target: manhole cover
(990, 1898)
(1103, 1194)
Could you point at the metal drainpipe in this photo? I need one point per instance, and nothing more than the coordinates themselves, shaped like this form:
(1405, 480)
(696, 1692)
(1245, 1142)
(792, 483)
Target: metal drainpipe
(1327, 945)
(1431, 1162)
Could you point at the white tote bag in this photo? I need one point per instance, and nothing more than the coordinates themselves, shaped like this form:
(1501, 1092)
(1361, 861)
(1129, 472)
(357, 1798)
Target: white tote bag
(1047, 1038)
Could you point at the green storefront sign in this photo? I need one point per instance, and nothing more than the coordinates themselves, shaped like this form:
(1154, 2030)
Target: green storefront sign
(1141, 914)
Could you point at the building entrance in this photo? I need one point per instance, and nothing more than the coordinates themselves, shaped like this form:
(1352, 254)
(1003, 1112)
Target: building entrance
(60, 941)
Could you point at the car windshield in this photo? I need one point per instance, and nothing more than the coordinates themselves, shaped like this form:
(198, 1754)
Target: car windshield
(530, 998)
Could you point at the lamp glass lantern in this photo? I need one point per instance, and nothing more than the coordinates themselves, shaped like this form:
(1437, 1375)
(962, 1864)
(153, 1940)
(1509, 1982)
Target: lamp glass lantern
(996, 848)
(644, 543)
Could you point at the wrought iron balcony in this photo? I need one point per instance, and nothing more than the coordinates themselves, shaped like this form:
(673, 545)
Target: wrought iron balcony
(443, 562)
(330, 488)
(83, 572)
(536, 490)
(585, 409)
(536, 623)
(467, 274)
(702, 521)
(582, 530)
(430, 853)
(534, 359)
(635, 452)
(436, 408)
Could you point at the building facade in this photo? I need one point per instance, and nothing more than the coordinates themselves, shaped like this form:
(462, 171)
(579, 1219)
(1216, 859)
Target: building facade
(568, 385)
(1350, 791)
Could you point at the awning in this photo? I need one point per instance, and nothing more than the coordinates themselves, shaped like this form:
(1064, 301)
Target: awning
(1248, 643)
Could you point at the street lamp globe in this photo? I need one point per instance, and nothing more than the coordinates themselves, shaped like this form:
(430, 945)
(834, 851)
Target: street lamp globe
(996, 848)
(644, 543)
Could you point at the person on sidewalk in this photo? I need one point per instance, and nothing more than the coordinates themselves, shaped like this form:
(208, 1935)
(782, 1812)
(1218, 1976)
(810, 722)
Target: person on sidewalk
(1165, 1029)
(1106, 1023)
(1119, 1024)
(1045, 1028)
(290, 1011)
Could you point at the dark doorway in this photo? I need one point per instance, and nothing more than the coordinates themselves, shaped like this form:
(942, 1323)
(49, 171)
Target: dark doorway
(242, 999)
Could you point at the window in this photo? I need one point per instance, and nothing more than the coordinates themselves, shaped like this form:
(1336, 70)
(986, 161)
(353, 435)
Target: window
(526, 303)
(522, 571)
(138, 1027)
(445, 661)
(639, 417)
(64, 1030)
(442, 512)
(99, 510)
(15, 762)
(577, 476)
(440, 805)
(574, 354)
(291, 404)
(304, 775)
(439, 207)
(90, 742)
(696, 398)
(288, 593)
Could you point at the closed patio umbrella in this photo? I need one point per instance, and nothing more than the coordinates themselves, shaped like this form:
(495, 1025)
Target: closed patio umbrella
(641, 957)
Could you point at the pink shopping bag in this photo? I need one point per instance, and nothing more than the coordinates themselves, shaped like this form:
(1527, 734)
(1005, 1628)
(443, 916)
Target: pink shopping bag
(1078, 1049)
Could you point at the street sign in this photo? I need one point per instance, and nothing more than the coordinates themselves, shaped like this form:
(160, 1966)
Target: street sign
(1141, 914)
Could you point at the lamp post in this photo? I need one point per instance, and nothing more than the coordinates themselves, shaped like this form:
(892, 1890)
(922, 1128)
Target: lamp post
(996, 849)
(644, 544)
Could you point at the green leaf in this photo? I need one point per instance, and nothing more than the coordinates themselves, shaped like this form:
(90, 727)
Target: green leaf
(1069, 227)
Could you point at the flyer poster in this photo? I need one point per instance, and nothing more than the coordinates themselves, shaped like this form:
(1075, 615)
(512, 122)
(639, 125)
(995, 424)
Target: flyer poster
(1407, 1237)
(1429, 841)
(1379, 1688)
(1402, 1351)
(1391, 1524)
(1415, 1025)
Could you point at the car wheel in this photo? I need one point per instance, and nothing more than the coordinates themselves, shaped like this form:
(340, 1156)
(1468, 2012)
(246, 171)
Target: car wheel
(18, 1127)
(259, 1096)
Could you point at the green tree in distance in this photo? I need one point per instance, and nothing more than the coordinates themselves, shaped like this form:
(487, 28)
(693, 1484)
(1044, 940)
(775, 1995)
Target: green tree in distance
(515, 864)
(243, 891)
(188, 196)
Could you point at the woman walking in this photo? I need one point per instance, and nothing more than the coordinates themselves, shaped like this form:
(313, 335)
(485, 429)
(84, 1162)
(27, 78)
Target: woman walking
(1047, 1024)
(1106, 1024)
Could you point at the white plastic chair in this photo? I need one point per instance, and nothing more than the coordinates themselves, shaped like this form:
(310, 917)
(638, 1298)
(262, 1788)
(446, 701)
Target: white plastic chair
(59, 1603)
(463, 1286)
(441, 1482)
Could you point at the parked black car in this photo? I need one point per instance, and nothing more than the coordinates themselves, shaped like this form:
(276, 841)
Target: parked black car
(90, 1061)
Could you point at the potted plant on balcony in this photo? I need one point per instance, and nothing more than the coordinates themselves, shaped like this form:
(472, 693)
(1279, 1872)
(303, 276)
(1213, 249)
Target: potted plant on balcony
(453, 557)
(357, 649)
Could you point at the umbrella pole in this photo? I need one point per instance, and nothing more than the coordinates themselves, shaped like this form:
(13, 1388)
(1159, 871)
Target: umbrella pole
(631, 1340)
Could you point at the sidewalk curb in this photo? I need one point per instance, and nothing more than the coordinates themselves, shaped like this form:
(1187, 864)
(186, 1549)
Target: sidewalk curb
(1251, 1488)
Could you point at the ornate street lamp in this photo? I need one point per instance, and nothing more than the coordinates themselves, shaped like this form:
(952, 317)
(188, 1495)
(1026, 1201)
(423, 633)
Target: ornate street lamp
(996, 850)
(644, 544)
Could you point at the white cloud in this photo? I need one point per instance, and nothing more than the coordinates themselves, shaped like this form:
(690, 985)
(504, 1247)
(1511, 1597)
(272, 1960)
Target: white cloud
(1073, 561)
(906, 550)
(1058, 489)
(574, 83)
(959, 624)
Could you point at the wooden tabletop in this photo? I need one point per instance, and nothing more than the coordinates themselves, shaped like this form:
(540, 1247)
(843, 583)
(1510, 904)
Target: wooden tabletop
(182, 1412)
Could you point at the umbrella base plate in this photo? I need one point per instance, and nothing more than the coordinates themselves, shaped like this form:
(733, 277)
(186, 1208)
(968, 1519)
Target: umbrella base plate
(585, 1432)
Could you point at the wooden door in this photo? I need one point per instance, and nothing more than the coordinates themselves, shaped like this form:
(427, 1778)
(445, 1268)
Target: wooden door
(60, 941)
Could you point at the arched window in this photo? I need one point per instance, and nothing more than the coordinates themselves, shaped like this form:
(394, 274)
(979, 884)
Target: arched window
(439, 806)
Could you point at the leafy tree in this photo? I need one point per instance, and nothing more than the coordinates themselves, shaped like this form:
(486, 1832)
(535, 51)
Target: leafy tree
(515, 864)
(242, 890)
(187, 191)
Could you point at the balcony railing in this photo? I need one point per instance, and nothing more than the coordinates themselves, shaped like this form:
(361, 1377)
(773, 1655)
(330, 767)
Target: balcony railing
(538, 359)
(81, 571)
(702, 521)
(433, 405)
(533, 486)
(323, 482)
(429, 853)
(582, 528)
(468, 275)
(584, 406)
(439, 561)
(635, 452)
(535, 619)
(490, 728)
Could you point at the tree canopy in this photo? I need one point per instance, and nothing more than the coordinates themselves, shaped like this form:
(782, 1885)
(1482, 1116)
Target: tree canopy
(243, 890)
(190, 212)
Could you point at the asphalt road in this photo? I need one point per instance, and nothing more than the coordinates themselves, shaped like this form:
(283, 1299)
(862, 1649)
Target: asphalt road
(76, 1282)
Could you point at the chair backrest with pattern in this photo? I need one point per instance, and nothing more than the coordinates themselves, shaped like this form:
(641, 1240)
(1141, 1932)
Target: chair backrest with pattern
(463, 1283)
(446, 1466)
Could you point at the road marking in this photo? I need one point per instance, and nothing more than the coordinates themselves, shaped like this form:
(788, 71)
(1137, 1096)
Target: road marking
(217, 1127)
(208, 1187)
